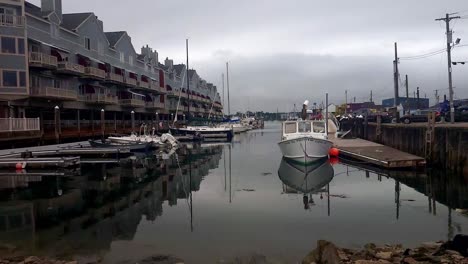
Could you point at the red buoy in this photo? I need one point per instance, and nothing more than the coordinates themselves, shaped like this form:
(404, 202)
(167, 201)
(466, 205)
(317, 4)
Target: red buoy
(19, 166)
(334, 160)
(334, 152)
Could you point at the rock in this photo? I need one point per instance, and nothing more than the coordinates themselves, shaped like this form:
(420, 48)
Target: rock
(372, 262)
(452, 252)
(32, 260)
(325, 253)
(431, 245)
(384, 255)
(72, 262)
(409, 260)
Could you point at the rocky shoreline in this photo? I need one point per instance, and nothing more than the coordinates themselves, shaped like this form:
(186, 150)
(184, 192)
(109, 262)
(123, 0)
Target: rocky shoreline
(455, 251)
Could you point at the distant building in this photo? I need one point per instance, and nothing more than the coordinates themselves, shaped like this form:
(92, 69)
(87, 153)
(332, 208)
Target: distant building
(413, 103)
(354, 107)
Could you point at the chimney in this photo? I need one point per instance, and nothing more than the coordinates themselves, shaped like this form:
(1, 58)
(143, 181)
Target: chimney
(169, 63)
(48, 6)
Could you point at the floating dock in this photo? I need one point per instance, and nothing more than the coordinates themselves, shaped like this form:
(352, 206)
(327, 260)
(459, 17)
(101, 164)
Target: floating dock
(376, 154)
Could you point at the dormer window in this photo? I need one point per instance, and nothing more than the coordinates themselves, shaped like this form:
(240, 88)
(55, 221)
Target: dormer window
(87, 43)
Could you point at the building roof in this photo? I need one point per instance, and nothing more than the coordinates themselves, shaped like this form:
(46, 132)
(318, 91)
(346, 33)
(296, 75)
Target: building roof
(179, 68)
(191, 73)
(114, 37)
(141, 57)
(162, 66)
(73, 21)
(34, 10)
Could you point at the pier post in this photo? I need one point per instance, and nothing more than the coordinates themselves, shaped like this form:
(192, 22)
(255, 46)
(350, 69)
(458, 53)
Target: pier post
(92, 123)
(57, 124)
(78, 123)
(103, 124)
(157, 121)
(115, 122)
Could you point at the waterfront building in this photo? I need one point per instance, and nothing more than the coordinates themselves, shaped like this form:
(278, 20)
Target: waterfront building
(50, 60)
(411, 103)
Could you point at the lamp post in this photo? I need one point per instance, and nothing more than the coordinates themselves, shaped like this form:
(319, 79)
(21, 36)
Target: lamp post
(133, 121)
(57, 123)
(103, 125)
(157, 121)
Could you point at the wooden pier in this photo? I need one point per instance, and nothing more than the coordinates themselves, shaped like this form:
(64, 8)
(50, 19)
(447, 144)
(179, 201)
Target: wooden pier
(376, 154)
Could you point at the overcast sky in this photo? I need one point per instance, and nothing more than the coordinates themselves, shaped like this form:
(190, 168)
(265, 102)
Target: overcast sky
(283, 52)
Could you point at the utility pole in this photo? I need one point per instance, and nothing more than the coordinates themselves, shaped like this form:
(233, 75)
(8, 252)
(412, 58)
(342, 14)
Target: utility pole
(346, 102)
(396, 75)
(227, 82)
(371, 96)
(188, 81)
(437, 95)
(417, 94)
(355, 99)
(407, 94)
(449, 32)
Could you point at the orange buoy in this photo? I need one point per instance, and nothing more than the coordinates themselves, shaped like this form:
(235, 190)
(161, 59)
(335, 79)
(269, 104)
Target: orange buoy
(19, 166)
(334, 152)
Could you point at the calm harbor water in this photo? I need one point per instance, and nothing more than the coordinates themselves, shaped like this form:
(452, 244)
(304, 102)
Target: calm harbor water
(215, 202)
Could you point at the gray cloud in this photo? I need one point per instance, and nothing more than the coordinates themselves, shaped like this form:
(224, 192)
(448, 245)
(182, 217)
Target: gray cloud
(284, 52)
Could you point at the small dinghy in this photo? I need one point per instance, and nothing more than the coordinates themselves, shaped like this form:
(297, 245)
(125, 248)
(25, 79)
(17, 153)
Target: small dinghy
(134, 147)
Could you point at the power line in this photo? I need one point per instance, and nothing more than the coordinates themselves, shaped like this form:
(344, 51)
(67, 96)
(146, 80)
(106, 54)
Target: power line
(423, 56)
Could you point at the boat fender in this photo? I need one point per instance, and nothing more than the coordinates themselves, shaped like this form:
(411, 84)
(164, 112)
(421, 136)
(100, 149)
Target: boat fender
(334, 152)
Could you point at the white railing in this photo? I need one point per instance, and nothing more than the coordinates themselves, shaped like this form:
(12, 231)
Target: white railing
(12, 20)
(99, 98)
(132, 102)
(63, 65)
(19, 124)
(115, 77)
(54, 92)
(91, 71)
(43, 59)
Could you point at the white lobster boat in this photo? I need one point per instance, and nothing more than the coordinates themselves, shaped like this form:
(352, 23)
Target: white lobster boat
(304, 141)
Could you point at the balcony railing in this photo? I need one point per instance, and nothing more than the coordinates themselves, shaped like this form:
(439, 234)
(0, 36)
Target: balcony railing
(115, 77)
(132, 102)
(155, 104)
(72, 68)
(19, 124)
(95, 73)
(37, 59)
(50, 92)
(130, 81)
(146, 85)
(12, 20)
(99, 98)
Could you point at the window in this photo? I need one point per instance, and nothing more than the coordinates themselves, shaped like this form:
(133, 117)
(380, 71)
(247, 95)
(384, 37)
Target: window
(7, 11)
(290, 128)
(130, 60)
(87, 43)
(122, 57)
(8, 45)
(319, 127)
(22, 79)
(20, 45)
(57, 83)
(305, 127)
(10, 79)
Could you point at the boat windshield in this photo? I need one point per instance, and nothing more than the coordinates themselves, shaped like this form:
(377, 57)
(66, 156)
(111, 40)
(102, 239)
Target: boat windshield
(290, 128)
(305, 127)
(319, 127)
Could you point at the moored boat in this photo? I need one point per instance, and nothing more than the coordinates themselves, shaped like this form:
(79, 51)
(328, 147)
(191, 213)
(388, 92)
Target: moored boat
(139, 146)
(304, 141)
(213, 133)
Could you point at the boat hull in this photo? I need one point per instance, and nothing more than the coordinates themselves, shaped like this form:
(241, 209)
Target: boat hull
(305, 150)
(218, 134)
(144, 146)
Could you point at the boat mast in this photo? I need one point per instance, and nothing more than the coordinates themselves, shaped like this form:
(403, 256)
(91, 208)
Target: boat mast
(227, 82)
(188, 79)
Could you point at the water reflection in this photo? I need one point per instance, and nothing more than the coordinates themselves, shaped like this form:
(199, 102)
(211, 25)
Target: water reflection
(59, 213)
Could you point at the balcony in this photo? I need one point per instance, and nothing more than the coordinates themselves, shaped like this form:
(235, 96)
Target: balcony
(131, 82)
(94, 73)
(12, 20)
(19, 124)
(146, 85)
(132, 102)
(70, 68)
(98, 99)
(114, 78)
(41, 60)
(155, 105)
(54, 93)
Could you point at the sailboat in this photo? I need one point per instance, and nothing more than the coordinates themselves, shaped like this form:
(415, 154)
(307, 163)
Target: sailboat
(208, 133)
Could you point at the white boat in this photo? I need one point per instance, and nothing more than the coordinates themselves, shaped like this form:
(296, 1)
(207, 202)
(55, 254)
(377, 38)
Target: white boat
(304, 141)
(218, 133)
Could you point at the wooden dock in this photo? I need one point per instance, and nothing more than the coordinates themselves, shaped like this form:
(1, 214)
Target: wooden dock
(376, 154)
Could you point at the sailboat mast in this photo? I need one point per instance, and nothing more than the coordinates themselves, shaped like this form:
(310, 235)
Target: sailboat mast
(188, 79)
(222, 77)
(227, 82)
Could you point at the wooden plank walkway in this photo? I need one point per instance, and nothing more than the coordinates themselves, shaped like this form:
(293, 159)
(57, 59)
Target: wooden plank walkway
(376, 154)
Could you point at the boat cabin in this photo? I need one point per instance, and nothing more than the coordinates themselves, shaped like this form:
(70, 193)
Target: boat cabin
(301, 128)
